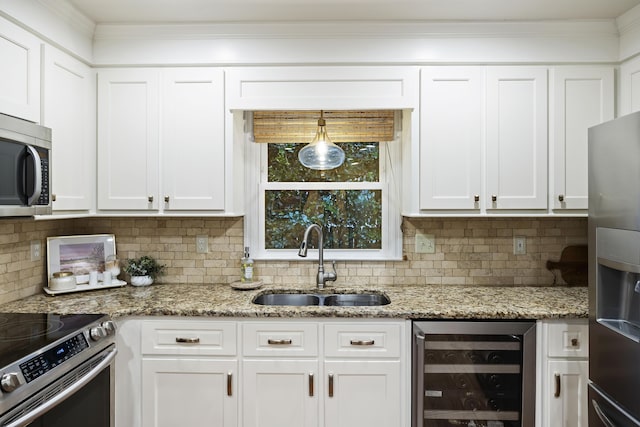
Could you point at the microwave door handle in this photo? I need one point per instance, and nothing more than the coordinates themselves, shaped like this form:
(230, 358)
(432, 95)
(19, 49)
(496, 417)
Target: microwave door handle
(31, 199)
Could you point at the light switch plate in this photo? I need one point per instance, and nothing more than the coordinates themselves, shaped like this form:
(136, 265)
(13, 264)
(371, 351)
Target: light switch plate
(519, 245)
(425, 243)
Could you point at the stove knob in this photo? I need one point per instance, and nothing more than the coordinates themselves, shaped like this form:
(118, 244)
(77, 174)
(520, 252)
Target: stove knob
(109, 327)
(9, 382)
(97, 333)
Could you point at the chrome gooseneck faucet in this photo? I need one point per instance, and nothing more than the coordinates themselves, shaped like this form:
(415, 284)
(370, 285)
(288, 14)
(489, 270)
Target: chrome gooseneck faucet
(321, 277)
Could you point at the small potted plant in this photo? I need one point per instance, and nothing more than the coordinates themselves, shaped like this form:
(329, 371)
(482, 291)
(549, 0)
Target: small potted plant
(143, 270)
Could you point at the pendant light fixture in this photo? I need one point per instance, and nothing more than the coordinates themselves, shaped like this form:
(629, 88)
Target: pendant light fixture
(321, 153)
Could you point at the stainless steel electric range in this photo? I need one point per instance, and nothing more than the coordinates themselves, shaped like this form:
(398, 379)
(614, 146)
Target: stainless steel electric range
(56, 370)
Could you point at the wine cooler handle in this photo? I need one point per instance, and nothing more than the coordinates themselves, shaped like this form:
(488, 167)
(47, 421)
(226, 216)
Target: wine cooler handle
(418, 380)
(556, 393)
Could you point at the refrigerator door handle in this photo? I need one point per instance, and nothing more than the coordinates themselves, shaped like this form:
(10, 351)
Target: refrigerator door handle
(603, 417)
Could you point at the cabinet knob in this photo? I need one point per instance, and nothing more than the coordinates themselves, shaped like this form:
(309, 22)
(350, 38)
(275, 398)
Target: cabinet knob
(53, 197)
(574, 342)
(561, 197)
(494, 198)
(166, 199)
(150, 199)
(476, 198)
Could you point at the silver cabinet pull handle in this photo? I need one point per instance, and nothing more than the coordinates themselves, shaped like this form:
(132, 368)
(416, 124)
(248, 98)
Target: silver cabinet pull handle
(166, 199)
(557, 391)
(476, 198)
(229, 384)
(561, 197)
(150, 199)
(362, 342)
(285, 341)
(494, 198)
(330, 385)
(188, 340)
(311, 384)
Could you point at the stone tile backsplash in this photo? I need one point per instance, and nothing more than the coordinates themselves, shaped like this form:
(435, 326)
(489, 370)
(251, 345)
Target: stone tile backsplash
(469, 251)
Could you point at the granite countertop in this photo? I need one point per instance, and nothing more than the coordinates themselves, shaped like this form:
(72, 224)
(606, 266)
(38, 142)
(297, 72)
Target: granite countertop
(407, 302)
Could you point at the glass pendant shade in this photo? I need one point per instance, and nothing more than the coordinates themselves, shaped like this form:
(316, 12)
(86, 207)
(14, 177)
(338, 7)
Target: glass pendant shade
(321, 153)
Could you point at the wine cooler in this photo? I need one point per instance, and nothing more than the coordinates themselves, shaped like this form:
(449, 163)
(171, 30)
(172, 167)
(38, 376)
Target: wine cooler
(473, 374)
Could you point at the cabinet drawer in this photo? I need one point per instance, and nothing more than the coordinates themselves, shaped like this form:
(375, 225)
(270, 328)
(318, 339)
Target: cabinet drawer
(189, 337)
(368, 340)
(568, 339)
(280, 339)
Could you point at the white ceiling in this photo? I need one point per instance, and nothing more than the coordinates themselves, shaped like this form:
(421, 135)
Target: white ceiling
(180, 11)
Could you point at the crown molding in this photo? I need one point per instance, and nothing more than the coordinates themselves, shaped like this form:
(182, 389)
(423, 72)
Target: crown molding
(69, 14)
(357, 30)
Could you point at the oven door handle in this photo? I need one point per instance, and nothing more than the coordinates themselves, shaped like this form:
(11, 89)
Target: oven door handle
(47, 406)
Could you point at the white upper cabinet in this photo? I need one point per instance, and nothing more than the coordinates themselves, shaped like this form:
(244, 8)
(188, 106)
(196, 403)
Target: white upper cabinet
(161, 141)
(451, 137)
(483, 139)
(516, 138)
(20, 72)
(69, 109)
(192, 139)
(581, 97)
(630, 86)
(128, 125)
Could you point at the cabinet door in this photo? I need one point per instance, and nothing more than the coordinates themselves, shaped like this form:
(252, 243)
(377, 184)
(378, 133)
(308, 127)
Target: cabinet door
(193, 156)
(128, 139)
(362, 393)
(629, 86)
(69, 109)
(582, 97)
(280, 393)
(189, 392)
(516, 138)
(451, 134)
(20, 72)
(567, 398)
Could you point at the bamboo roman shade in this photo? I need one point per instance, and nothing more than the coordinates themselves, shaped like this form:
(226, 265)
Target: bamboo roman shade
(342, 126)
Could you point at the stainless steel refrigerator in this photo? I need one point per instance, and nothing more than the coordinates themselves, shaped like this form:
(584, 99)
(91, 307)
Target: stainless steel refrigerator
(614, 273)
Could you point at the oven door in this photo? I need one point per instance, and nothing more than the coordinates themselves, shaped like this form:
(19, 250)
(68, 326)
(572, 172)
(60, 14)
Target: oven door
(83, 397)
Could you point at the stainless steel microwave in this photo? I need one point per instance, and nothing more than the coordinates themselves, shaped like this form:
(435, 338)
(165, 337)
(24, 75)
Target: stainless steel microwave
(25, 168)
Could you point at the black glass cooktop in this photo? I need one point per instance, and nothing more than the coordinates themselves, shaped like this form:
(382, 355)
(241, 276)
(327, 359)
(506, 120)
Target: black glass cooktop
(24, 333)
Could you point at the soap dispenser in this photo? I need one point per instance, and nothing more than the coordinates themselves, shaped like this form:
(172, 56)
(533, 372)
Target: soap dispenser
(246, 266)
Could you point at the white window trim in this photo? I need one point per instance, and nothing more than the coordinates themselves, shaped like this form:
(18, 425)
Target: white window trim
(255, 185)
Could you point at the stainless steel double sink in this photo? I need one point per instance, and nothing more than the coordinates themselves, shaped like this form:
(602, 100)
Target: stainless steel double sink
(318, 299)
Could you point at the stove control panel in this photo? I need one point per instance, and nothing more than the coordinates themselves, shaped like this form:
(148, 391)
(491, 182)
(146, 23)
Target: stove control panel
(39, 365)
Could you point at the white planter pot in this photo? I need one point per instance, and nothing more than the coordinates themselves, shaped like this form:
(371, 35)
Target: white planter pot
(141, 280)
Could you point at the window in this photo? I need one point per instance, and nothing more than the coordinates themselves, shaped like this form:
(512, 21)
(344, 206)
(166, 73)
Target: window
(352, 203)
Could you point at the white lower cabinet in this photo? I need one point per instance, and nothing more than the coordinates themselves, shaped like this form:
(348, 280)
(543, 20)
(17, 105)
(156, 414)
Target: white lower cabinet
(189, 373)
(362, 393)
(188, 392)
(280, 393)
(565, 373)
(332, 374)
(268, 373)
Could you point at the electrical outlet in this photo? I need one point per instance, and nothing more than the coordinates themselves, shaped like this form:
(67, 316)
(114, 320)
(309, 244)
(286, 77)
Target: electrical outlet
(202, 244)
(35, 250)
(425, 243)
(519, 245)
